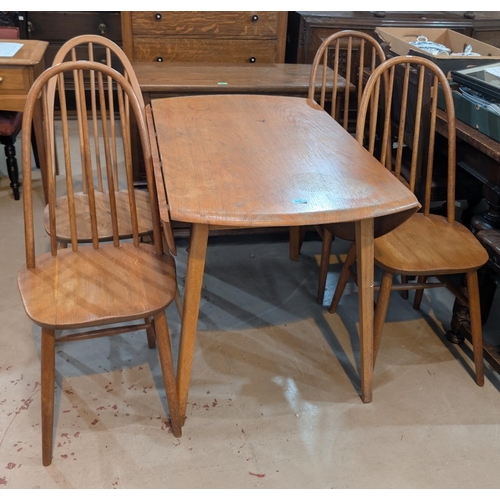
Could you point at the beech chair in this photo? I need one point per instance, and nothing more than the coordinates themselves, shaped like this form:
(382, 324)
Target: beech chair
(95, 47)
(353, 55)
(426, 245)
(99, 286)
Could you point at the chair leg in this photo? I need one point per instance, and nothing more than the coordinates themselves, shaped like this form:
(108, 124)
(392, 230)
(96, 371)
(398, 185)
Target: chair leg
(326, 250)
(475, 325)
(404, 293)
(419, 293)
(381, 311)
(150, 332)
(297, 235)
(167, 367)
(12, 168)
(178, 302)
(48, 353)
(343, 278)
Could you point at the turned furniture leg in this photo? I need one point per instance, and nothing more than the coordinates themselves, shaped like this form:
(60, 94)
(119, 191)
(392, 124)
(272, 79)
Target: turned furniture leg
(12, 168)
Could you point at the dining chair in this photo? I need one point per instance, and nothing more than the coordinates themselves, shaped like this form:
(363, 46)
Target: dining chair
(100, 287)
(10, 126)
(353, 55)
(426, 245)
(101, 49)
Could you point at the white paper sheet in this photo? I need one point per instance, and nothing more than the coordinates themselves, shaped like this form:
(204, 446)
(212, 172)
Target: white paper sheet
(9, 49)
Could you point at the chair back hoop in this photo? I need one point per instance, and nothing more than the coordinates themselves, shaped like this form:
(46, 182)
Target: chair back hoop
(352, 65)
(91, 42)
(159, 182)
(39, 90)
(420, 68)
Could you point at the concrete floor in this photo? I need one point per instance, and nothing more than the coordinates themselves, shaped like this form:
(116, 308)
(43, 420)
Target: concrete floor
(274, 398)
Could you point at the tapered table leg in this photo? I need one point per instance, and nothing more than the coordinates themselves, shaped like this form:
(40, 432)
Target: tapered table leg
(192, 295)
(365, 272)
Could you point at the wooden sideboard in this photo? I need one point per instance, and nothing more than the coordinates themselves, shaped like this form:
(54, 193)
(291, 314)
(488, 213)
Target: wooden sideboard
(306, 30)
(58, 27)
(211, 36)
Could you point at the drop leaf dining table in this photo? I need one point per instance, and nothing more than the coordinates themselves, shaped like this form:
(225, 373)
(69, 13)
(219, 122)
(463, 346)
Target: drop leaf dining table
(268, 161)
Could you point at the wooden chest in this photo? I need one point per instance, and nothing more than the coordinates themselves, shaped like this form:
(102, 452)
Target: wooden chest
(235, 37)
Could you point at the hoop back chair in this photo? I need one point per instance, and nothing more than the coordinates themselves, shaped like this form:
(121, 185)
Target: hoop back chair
(426, 245)
(92, 47)
(355, 54)
(93, 286)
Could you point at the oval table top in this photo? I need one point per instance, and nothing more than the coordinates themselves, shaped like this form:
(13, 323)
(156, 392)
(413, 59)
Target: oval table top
(258, 160)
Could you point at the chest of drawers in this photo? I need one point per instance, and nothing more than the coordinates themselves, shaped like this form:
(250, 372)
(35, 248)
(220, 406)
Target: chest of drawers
(235, 37)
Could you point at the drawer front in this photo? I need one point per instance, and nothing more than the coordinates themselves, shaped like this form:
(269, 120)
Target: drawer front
(14, 79)
(206, 24)
(200, 50)
(62, 26)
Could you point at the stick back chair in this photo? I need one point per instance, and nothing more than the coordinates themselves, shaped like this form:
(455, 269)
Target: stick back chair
(353, 55)
(98, 286)
(426, 245)
(95, 47)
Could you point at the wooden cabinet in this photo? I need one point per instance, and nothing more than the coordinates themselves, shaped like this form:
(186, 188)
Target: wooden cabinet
(235, 37)
(58, 27)
(306, 30)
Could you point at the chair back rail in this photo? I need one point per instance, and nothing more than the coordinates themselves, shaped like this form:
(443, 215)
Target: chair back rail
(404, 125)
(353, 52)
(52, 81)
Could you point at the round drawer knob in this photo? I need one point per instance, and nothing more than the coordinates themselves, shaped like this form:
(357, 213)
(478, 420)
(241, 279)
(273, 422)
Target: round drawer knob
(103, 61)
(31, 27)
(255, 18)
(252, 60)
(158, 16)
(469, 15)
(159, 59)
(102, 28)
(379, 13)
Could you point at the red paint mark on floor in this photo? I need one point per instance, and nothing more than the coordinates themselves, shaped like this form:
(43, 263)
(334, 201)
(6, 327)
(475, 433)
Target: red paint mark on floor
(64, 456)
(256, 475)
(214, 404)
(65, 435)
(77, 434)
(10, 465)
(3, 480)
(68, 391)
(115, 407)
(94, 421)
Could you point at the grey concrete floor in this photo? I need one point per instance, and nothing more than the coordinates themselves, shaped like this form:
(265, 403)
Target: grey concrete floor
(274, 397)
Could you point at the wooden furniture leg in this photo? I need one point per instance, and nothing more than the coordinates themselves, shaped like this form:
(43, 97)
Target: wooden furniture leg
(365, 274)
(167, 368)
(48, 353)
(192, 295)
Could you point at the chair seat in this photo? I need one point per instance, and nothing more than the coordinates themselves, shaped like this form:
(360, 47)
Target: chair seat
(96, 287)
(426, 246)
(10, 122)
(105, 229)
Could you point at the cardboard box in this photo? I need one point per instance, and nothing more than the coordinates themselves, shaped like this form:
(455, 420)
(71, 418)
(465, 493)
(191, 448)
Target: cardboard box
(472, 114)
(399, 38)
